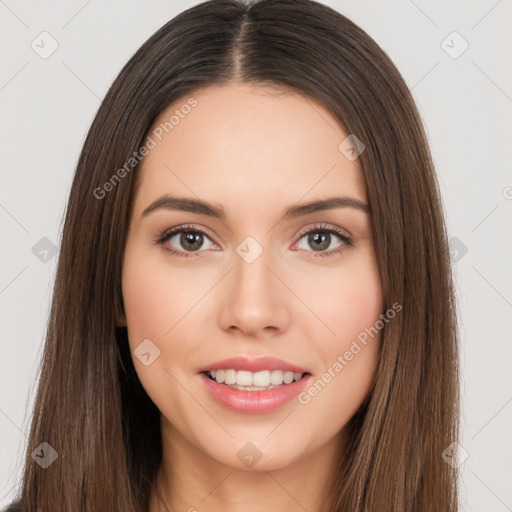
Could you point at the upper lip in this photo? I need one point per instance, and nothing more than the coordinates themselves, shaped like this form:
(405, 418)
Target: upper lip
(253, 365)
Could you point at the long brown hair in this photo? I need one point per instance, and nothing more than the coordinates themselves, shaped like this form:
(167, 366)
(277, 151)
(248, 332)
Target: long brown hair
(91, 407)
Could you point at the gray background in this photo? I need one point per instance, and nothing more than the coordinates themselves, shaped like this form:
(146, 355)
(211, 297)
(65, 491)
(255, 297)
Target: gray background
(47, 105)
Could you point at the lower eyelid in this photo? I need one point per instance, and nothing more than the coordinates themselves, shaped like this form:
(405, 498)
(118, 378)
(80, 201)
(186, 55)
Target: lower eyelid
(345, 242)
(344, 239)
(169, 236)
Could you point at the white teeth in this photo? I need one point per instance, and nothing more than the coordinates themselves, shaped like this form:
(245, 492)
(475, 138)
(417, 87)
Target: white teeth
(288, 377)
(230, 377)
(263, 379)
(243, 378)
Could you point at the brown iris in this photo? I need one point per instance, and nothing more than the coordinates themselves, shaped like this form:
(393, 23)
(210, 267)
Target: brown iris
(321, 236)
(191, 240)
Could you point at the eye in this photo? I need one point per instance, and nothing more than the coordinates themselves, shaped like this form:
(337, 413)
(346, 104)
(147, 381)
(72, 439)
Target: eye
(190, 238)
(321, 238)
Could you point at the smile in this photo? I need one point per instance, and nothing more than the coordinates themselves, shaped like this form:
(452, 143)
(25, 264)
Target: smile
(253, 400)
(253, 381)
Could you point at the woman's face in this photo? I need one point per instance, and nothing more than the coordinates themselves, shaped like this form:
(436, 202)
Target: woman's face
(244, 280)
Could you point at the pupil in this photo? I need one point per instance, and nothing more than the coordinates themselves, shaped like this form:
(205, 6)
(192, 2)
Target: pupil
(192, 239)
(319, 239)
(322, 237)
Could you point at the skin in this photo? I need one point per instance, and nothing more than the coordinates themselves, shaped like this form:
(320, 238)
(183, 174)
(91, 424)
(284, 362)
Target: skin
(254, 151)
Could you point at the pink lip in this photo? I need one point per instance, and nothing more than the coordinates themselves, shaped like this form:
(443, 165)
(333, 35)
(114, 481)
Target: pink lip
(254, 365)
(253, 402)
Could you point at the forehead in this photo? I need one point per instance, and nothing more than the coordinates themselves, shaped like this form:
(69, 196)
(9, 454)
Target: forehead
(249, 145)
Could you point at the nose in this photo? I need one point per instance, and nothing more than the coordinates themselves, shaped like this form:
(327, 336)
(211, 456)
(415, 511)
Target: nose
(254, 300)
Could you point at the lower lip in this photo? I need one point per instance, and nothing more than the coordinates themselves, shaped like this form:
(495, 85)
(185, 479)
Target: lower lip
(253, 402)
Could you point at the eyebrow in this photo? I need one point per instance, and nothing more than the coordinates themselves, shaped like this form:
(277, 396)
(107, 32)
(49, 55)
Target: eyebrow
(168, 202)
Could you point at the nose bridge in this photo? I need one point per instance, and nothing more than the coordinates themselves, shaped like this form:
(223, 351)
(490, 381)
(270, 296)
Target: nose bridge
(253, 300)
(251, 273)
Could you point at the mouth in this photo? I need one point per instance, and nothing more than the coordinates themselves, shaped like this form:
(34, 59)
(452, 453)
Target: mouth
(244, 380)
(253, 386)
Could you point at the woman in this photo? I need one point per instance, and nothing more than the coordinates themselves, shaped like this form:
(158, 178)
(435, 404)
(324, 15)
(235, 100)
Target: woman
(253, 307)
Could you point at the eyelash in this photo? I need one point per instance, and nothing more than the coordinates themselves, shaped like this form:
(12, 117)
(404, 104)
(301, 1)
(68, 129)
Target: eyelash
(163, 237)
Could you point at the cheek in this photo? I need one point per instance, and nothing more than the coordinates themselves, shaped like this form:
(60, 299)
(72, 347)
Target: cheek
(156, 303)
(352, 307)
(350, 302)
(156, 297)
(358, 306)
(148, 304)
(349, 356)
